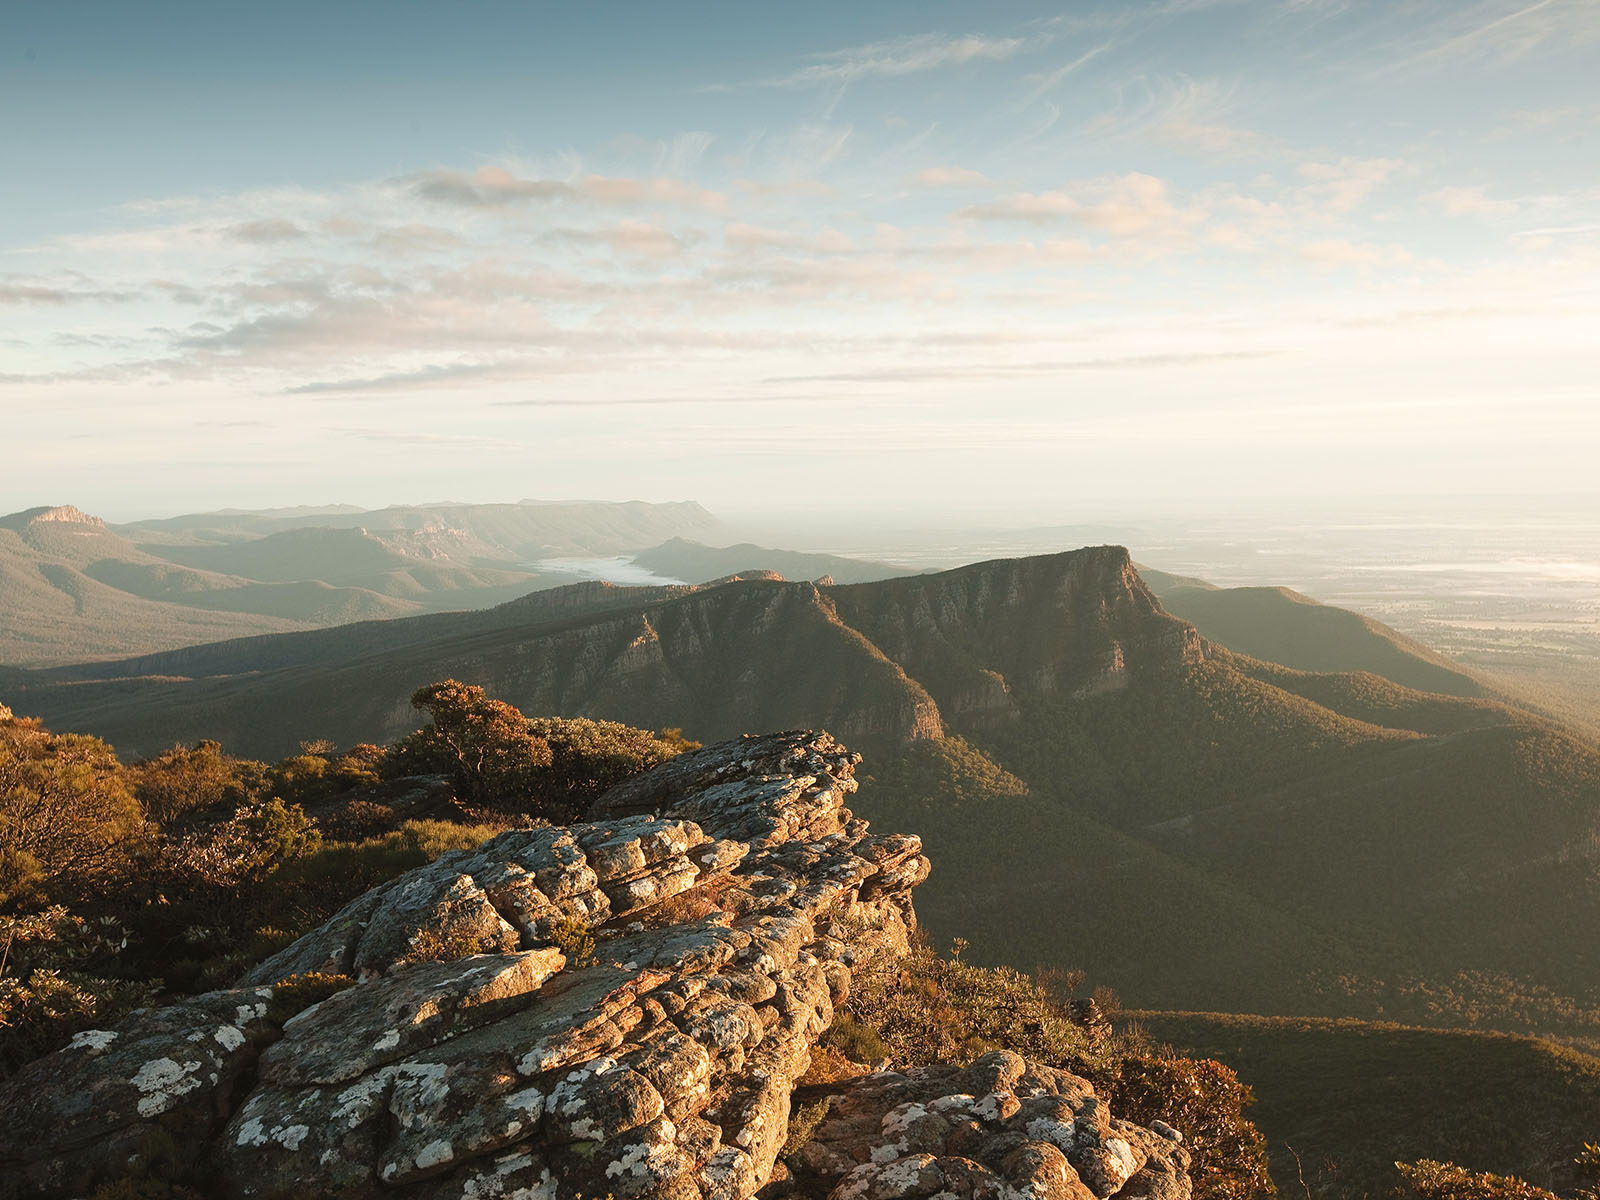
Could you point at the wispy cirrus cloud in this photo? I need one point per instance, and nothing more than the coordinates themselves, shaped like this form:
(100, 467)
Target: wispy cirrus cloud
(1008, 370)
(911, 54)
(77, 289)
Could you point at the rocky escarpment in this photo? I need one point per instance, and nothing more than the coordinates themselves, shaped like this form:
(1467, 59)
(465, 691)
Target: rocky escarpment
(61, 514)
(487, 1053)
(1069, 624)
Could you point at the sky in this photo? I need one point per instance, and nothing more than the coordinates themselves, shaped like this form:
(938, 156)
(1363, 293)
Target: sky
(818, 257)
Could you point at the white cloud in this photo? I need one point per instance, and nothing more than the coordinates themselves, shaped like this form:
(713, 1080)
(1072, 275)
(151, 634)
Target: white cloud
(939, 177)
(265, 232)
(1132, 205)
(1342, 186)
(1469, 202)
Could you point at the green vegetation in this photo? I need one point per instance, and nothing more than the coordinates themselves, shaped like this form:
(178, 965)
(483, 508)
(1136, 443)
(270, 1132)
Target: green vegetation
(65, 810)
(550, 767)
(122, 885)
(923, 1008)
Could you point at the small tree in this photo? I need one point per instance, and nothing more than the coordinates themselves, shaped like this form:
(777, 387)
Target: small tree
(484, 745)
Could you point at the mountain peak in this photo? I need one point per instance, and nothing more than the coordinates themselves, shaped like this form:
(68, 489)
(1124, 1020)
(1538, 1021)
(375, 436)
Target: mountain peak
(65, 514)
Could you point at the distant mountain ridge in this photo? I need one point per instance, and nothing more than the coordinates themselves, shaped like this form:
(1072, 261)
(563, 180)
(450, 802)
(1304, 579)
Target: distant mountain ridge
(717, 660)
(73, 587)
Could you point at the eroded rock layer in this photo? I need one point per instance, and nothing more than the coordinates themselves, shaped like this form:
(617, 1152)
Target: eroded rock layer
(487, 1052)
(1002, 1127)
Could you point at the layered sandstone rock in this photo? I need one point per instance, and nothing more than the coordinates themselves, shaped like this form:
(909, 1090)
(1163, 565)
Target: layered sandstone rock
(1002, 1127)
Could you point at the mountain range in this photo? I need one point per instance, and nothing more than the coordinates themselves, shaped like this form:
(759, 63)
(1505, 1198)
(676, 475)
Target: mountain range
(73, 587)
(1089, 771)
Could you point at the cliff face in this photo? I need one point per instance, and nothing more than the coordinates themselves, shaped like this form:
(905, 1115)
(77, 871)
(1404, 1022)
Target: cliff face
(733, 895)
(1074, 623)
(63, 514)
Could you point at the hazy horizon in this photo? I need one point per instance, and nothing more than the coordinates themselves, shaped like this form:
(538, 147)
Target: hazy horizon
(1017, 256)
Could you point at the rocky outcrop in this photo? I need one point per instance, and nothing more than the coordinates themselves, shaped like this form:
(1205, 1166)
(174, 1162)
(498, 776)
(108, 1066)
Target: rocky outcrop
(491, 1049)
(1002, 1127)
(61, 514)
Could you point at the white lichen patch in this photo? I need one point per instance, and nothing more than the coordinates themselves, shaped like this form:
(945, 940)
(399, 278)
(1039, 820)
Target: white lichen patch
(899, 1118)
(528, 1100)
(996, 1106)
(229, 1037)
(1060, 1134)
(434, 1153)
(290, 1136)
(162, 1081)
(92, 1040)
(389, 1040)
(243, 1014)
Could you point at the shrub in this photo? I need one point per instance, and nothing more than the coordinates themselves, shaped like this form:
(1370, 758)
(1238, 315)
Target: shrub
(429, 945)
(1429, 1180)
(484, 745)
(856, 1041)
(803, 1122)
(194, 778)
(299, 992)
(1205, 1101)
(573, 938)
(549, 766)
(587, 757)
(50, 988)
(67, 818)
(927, 1008)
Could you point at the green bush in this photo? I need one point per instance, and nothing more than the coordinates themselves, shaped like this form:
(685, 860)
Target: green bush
(189, 779)
(1205, 1101)
(67, 818)
(574, 939)
(926, 1009)
(1429, 1180)
(299, 992)
(51, 985)
(548, 766)
(856, 1041)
